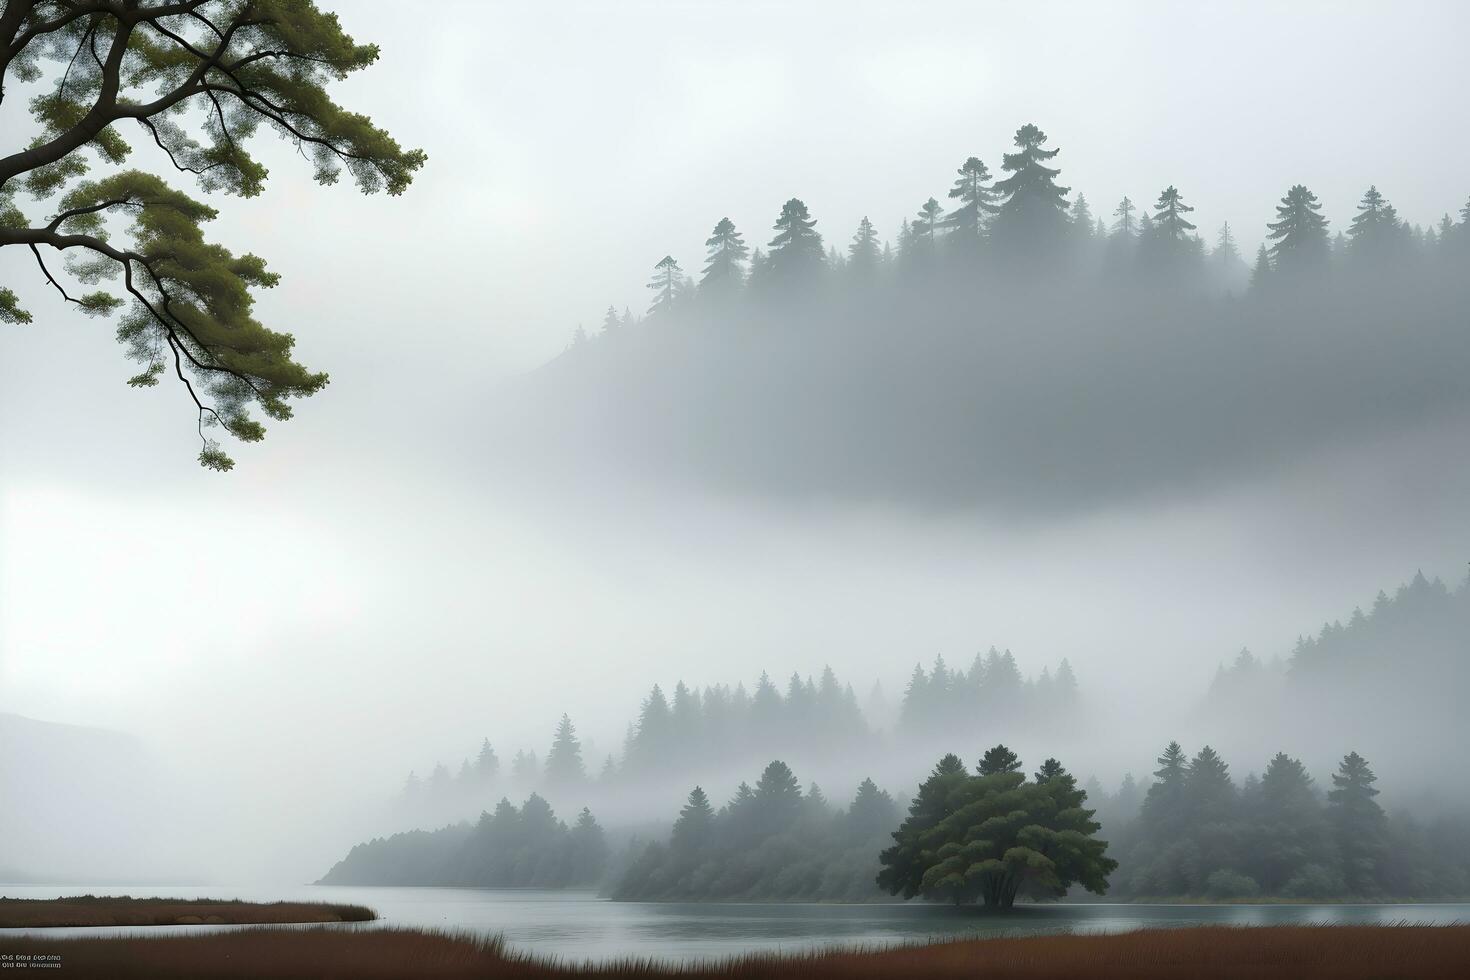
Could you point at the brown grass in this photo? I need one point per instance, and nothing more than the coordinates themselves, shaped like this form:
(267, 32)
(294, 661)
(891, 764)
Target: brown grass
(1207, 953)
(121, 910)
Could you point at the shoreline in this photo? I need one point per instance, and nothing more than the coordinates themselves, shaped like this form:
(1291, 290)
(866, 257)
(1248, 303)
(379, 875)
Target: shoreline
(1204, 952)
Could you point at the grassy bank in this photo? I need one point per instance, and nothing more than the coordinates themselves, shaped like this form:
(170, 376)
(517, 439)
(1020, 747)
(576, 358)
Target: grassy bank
(108, 910)
(1210, 953)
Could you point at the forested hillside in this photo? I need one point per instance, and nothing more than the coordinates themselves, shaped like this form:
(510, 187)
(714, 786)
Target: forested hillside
(1395, 676)
(1014, 347)
(1199, 832)
(509, 848)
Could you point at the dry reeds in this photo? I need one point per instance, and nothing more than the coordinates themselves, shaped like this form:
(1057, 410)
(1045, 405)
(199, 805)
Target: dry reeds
(1204, 953)
(108, 910)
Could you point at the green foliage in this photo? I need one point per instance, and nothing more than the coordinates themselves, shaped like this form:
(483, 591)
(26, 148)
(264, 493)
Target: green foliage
(666, 284)
(864, 256)
(1196, 834)
(724, 269)
(1358, 824)
(771, 843)
(199, 83)
(509, 848)
(796, 251)
(564, 762)
(1033, 217)
(994, 836)
(1299, 233)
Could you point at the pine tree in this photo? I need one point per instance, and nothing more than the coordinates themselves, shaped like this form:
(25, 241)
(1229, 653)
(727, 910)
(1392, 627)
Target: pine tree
(649, 747)
(766, 708)
(1209, 792)
(724, 269)
(1375, 229)
(913, 714)
(967, 222)
(872, 813)
(864, 256)
(1261, 271)
(1163, 812)
(1299, 234)
(1166, 245)
(1125, 226)
(666, 282)
(694, 829)
(1170, 222)
(905, 862)
(587, 850)
(778, 798)
(1359, 826)
(1293, 834)
(1033, 219)
(1081, 216)
(1226, 253)
(998, 760)
(925, 226)
(796, 252)
(487, 763)
(564, 761)
(610, 321)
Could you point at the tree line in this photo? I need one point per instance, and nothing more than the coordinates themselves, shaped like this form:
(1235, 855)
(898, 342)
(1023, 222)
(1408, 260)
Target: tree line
(1405, 661)
(1024, 222)
(508, 848)
(770, 842)
(719, 726)
(1195, 833)
(953, 700)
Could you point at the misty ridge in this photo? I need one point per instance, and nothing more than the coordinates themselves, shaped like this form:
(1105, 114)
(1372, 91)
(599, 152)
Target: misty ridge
(1013, 350)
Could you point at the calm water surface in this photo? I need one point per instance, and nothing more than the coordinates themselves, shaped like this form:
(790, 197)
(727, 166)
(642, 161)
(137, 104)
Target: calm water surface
(579, 926)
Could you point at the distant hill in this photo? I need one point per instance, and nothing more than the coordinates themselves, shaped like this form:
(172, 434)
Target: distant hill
(1392, 681)
(79, 802)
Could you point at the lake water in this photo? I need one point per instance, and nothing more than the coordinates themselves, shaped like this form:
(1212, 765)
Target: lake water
(579, 926)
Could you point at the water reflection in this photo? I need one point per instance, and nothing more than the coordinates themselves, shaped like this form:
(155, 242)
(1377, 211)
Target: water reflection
(577, 925)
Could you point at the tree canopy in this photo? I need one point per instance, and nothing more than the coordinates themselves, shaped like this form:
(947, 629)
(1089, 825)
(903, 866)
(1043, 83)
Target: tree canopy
(199, 78)
(996, 835)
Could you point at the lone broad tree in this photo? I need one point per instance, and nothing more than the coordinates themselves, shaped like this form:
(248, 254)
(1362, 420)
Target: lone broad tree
(996, 835)
(191, 81)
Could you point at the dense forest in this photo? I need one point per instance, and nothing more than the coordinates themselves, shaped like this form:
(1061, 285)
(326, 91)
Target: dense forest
(771, 842)
(1076, 355)
(509, 848)
(991, 836)
(1195, 832)
(719, 726)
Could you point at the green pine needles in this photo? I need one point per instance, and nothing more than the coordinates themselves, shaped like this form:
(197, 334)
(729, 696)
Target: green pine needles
(197, 78)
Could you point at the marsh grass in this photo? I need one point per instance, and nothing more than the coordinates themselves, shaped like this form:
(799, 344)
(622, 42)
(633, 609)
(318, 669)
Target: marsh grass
(121, 910)
(1207, 953)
